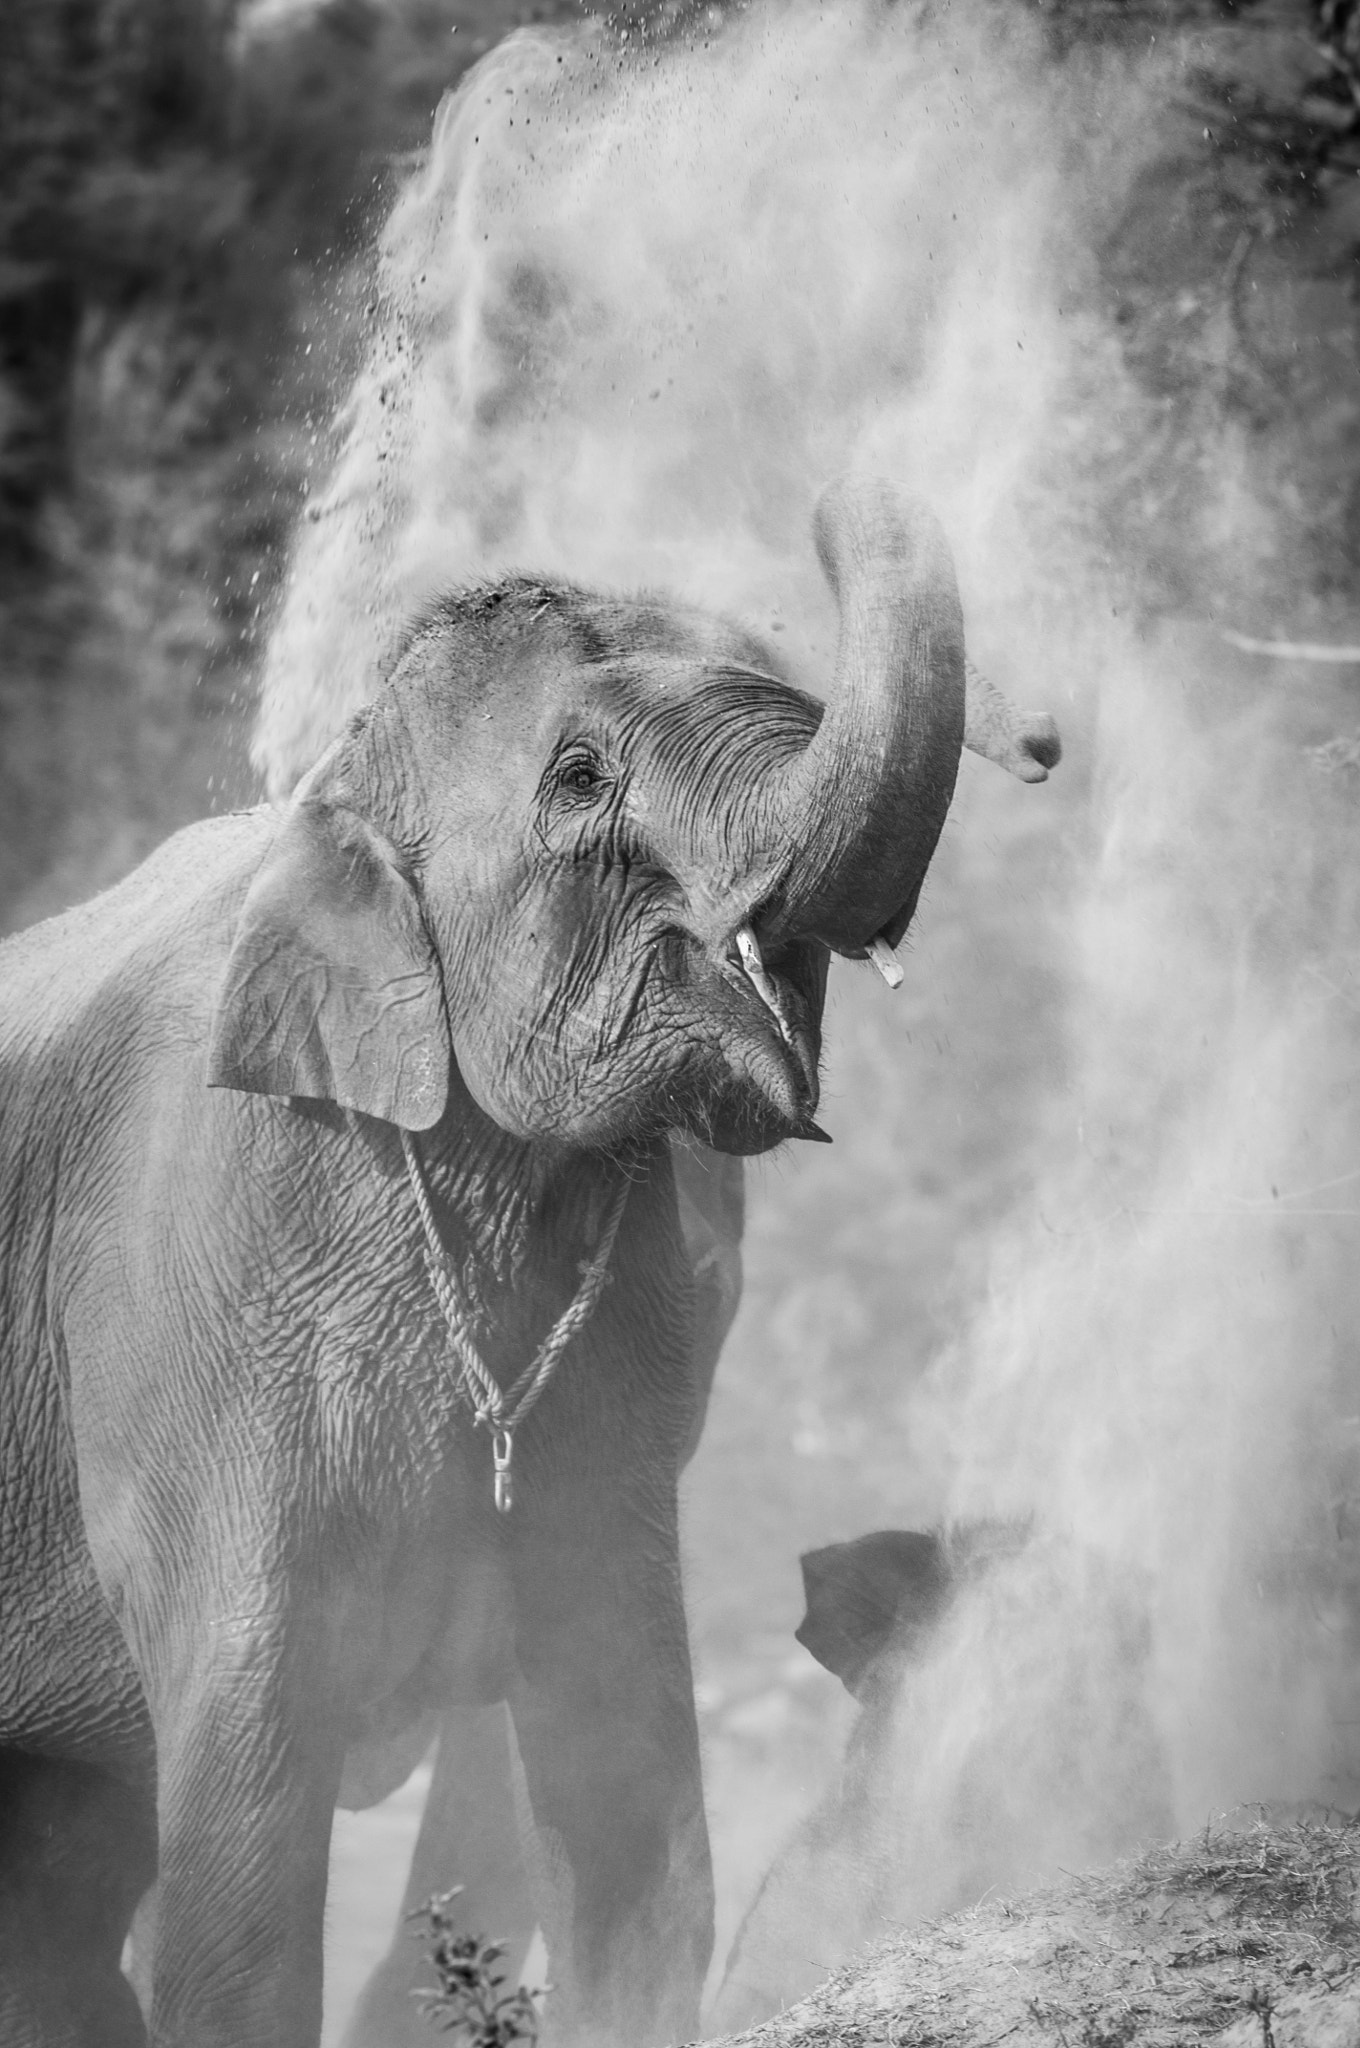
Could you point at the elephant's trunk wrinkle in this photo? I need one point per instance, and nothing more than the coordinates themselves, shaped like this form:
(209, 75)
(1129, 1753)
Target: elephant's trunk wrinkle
(715, 750)
(865, 802)
(503, 1410)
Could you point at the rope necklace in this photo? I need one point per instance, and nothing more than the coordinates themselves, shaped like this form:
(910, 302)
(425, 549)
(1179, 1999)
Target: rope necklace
(504, 1410)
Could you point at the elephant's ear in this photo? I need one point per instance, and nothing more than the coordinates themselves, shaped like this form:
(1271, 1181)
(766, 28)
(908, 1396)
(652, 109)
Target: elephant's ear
(333, 989)
(866, 1597)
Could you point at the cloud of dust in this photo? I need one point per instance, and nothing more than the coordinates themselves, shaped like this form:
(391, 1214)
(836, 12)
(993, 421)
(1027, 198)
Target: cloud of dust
(1145, 1443)
(1159, 1386)
(641, 301)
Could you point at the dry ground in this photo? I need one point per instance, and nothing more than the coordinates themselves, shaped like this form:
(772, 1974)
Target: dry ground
(1245, 1935)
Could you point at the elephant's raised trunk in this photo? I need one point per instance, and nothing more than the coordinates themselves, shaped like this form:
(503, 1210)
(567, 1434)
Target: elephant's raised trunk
(864, 803)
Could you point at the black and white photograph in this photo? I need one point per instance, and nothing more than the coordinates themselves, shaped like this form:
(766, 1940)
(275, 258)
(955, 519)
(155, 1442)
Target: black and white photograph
(680, 1023)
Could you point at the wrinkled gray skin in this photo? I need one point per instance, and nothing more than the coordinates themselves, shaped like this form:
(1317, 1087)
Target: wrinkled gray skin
(474, 1832)
(248, 1530)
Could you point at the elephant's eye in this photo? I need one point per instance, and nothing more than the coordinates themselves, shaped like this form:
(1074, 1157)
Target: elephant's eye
(581, 777)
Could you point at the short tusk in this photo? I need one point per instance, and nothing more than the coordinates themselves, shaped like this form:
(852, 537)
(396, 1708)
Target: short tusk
(748, 949)
(885, 960)
(753, 967)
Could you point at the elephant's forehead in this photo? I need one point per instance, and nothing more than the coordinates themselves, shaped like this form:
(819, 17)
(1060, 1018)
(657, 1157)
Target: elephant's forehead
(656, 629)
(665, 706)
(637, 683)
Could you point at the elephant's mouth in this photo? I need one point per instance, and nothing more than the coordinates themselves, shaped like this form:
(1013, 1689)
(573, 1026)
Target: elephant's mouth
(779, 1054)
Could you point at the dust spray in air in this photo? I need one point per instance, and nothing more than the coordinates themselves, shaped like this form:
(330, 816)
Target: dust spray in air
(639, 303)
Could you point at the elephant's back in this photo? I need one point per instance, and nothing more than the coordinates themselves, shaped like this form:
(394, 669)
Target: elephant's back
(103, 1010)
(149, 938)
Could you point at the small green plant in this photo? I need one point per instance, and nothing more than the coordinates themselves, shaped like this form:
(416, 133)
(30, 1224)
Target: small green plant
(470, 1999)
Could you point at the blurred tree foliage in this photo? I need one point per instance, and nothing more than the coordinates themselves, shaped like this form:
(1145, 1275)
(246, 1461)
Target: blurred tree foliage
(115, 177)
(191, 153)
(186, 187)
(1232, 274)
(195, 152)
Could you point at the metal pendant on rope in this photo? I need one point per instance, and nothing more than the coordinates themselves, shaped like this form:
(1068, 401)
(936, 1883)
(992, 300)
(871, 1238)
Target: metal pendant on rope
(503, 1410)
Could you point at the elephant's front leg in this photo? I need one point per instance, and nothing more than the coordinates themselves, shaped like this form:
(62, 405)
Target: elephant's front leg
(604, 1715)
(248, 1768)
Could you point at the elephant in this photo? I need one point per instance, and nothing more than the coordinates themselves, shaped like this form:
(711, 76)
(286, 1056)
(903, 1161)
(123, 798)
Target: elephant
(336, 1139)
(1064, 1626)
(472, 1828)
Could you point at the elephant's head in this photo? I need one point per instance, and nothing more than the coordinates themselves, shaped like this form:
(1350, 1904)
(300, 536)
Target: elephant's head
(596, 852)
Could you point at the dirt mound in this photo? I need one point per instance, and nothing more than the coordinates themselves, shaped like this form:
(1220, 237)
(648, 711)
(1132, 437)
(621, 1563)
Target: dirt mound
(1246, 1935)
